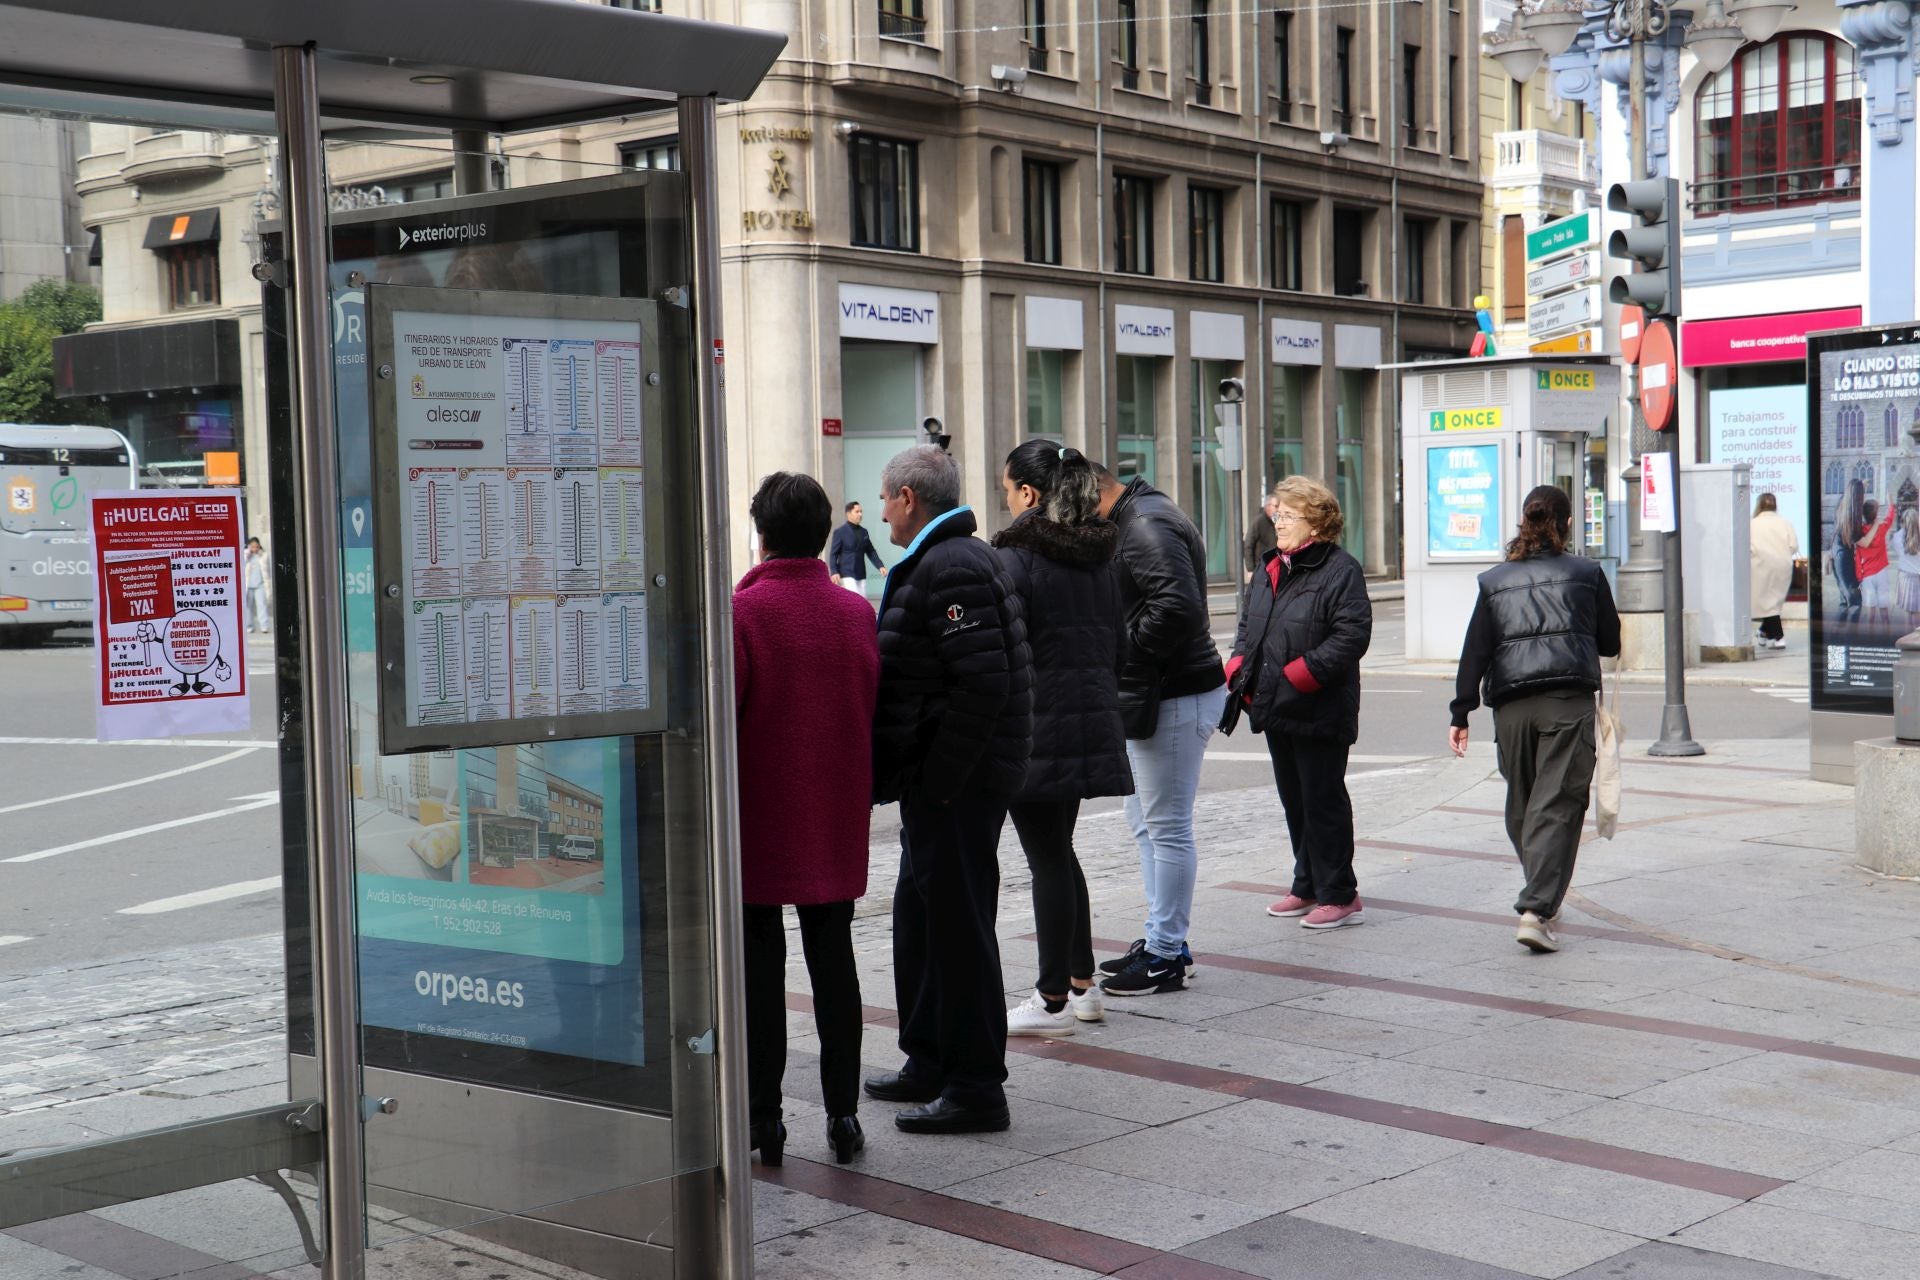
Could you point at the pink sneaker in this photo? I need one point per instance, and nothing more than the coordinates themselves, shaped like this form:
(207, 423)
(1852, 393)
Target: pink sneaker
(1331, 917)
(1291, 905)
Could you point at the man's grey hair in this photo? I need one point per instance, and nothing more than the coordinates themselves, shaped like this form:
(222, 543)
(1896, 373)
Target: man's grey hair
(929, 471)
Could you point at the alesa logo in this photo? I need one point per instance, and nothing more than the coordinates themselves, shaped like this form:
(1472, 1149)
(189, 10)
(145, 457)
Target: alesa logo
(437, 414)
(457, 232)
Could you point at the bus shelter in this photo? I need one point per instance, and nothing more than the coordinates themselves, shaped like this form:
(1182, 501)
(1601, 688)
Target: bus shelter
(503, 705)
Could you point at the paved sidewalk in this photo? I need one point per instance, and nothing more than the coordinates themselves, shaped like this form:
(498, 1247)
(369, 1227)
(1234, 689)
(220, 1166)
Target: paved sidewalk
(1717, 1079)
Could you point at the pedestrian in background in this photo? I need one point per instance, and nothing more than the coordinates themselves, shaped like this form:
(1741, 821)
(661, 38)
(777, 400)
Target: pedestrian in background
(852, 551)
(256, 586)
(806, 668)
(1059, 553)
(1540, 625)
(1773, 545)
(1296, 667)
(951, 738)
(1261, 539)
(1171, 692)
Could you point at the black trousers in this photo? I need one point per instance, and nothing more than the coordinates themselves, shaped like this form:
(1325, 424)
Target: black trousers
(1062, 918)
(1771, 629)
(826, 938)
(1546, 751)
(946, 958)
(1311, 774)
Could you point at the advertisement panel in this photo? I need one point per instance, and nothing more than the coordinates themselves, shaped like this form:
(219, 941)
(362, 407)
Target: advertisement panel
(1863, 388)
(1766, 428)
(1463, 501)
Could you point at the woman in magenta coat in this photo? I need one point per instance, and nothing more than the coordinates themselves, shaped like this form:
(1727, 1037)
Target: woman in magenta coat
(806, 667)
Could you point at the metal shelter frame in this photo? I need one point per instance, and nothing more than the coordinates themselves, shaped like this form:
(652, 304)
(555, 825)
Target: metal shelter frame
(366, 69)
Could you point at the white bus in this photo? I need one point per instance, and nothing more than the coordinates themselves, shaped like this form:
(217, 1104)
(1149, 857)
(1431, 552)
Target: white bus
(46, 548)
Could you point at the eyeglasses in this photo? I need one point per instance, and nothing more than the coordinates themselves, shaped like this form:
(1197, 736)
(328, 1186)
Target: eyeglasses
(1287, 517)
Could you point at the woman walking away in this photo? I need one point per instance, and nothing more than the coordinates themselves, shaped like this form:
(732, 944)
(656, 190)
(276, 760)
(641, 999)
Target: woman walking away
(1296, 668)
(1773, 546)
(1541, 624)
(1059, 553)
(1849, 526)
(806, 667)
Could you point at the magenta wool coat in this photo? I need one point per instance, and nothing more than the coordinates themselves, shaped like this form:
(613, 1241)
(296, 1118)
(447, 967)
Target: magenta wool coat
(806, 670)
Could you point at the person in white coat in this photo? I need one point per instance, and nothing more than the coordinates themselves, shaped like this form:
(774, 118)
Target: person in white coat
(1773, 548)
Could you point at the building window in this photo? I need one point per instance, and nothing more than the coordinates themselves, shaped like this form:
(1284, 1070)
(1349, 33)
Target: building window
(903, 20)
(1343, 79)
(1517, 105)
(1283, 66)
(1046, 393)
(1202, 25)
(886, 193)
(1455, 109)
(1133, 224)
(1036, 16)
(1043, 212)
(1129, 11)
(1287, 241)
(419, 186)
(638, 6)
(193, 275)
(1413, 255)
(1410, 93)
(1779, 126)
(1459, 262)
(1136, 400)
(654, 153)
(1349, 252)
(1206, 234)
(1513, 270)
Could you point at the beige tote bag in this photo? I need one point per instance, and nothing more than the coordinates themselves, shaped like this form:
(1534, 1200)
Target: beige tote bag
(1608, 731)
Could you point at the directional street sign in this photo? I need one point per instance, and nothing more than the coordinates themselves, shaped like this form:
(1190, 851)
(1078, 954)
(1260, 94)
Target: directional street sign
(1578, 341)
(1557, 277)
(1557, 239)
(1566, 311)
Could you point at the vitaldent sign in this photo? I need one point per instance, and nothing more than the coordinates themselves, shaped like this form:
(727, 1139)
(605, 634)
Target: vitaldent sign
(1142, 331)
(1299, 342)
(890, 315)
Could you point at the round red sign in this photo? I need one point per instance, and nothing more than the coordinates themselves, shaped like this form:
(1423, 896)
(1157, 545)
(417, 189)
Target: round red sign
(1659, 375)
(1633, 327)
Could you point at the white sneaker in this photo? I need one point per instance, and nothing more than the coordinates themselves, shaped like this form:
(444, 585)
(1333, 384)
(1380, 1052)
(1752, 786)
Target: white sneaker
(1030, 1018)
(1088, 1005)
(1535, 934)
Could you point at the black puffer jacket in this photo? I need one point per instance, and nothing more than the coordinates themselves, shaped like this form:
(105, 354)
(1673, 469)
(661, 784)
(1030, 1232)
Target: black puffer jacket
(1163, 588)
(1065, 577)
(956, 677)
(1316, 628)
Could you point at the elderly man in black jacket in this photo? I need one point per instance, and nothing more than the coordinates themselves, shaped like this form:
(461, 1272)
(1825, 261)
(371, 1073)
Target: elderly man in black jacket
(951, 737)
(1171, 691)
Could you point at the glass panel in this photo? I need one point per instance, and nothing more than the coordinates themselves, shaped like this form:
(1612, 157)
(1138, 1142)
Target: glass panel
(1208, 501)
(1350, 464)
(1046, 393)
(880, 400)
(1136, 417)
(1287, 454)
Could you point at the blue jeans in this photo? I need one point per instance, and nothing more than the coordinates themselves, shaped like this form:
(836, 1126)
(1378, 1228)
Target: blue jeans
(1166, 776)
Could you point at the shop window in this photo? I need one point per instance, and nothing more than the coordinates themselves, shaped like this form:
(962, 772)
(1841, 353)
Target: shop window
(654, 153)
(1413, 257)
(1129, 14)
(1043, 212)
(1206, 233)
(1287, 233)
(1046, 393)
(1779, 126)
(1350, 465)
(1283, 66)
(886, 193)
(1202, 26)
(1350, 228)
(193, 275)
(903, 20)
(1286, 421)
(1206, 502)
(1133, 224)
(1136, 417)
(1343, 79)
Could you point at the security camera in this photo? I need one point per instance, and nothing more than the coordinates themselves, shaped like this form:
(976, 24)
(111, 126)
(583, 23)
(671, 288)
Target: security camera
(930, 428)
(1333, 141)
(846, 128)
(1232, 391)
(1007, 76)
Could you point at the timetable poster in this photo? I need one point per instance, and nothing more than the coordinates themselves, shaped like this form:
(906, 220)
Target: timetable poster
(521, 448)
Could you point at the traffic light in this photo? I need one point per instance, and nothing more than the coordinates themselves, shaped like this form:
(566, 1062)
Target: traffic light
(1652, 240)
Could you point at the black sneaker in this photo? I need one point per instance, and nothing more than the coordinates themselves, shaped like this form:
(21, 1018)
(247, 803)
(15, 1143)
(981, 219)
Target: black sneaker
(1111, 967)
(1147, 975)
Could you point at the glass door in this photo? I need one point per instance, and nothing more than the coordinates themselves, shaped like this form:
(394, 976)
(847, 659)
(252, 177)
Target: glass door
(880, 404)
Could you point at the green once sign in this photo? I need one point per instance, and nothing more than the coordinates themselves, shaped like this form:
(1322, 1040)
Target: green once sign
(1560, 237)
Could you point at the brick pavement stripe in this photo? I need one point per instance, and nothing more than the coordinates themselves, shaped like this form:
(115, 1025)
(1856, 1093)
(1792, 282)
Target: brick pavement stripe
(124, 1251)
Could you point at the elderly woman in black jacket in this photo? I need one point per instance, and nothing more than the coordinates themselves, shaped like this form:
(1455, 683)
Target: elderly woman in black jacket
(1059, 553)
(1296, 670)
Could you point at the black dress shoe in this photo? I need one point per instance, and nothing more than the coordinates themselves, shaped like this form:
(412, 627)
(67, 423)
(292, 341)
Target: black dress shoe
(897, 1086)
(845, 1136)
(944, 1115)
(770, 1141)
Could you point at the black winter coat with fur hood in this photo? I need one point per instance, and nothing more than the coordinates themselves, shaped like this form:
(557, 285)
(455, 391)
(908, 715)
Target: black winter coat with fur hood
(1065, 576)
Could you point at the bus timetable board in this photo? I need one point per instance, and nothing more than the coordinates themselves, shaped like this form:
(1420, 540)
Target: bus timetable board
(513, 434)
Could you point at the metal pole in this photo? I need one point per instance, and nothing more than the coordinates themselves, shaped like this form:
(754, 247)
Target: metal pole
(1640, 577)
(471, 165)
(698, 150)
(329, 813)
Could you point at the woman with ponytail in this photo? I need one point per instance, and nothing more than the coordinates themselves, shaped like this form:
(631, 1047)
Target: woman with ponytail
(1059, 553)
(1541, 624)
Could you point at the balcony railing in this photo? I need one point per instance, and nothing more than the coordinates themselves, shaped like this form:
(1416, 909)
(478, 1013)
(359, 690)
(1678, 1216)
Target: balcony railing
(1784, 188)
(1037, 58)
(1525, 157)
(903, 26)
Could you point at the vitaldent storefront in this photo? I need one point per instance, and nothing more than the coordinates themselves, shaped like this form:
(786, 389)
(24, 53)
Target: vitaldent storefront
(1143, 370)
(886, 337)
(1298, 349)
(1055, 336)
(1217, 344)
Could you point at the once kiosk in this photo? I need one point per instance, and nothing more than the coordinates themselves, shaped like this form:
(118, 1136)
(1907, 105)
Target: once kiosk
(504, 665)
(1475, 436)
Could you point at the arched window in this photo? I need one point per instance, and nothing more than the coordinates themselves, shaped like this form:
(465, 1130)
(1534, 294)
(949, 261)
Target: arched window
(1863, 472)
(1779, 126)
(1891, 424)
(1835, 479)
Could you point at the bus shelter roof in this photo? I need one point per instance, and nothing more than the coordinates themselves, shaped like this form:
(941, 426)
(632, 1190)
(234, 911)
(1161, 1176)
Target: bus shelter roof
(501, 66)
